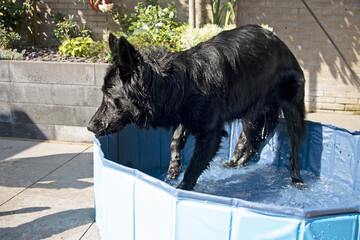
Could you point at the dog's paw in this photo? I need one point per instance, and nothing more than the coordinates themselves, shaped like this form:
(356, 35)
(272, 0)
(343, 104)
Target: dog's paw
(300, 185)
(171, 182)
(233, 164)
(186, 186)
(173, 172)
(229, 164)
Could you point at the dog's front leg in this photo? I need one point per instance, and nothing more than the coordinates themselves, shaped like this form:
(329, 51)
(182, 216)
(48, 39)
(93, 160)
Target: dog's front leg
(206, 147)
(178, 141)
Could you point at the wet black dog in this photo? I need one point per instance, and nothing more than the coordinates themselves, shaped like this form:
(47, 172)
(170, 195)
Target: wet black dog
(246, 73)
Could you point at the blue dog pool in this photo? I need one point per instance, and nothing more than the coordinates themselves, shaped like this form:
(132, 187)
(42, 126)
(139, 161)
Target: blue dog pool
(258, 201)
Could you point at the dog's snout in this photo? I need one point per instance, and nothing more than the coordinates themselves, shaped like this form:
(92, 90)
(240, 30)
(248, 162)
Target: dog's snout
(91, 126)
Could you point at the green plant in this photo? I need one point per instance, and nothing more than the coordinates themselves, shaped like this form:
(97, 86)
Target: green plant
(153, 17)
(6, 54)
(152, 26)
(65, 28)
(77, 47)
(86, 47)
(192, 37)
(8, 39)
(84, 31)
(100, 52)
(218, 10)
(267, 27)
(11, 13)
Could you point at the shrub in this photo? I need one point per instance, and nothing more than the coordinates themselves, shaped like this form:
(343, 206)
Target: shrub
(6, 54)
(86, 47)
(76, 47)
(152, 26)
(11, 13)
(66, 28)
(190, 38)
(8, 39)
(100, 52)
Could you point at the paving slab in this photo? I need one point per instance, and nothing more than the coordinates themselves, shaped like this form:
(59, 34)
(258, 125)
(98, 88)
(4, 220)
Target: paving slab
(348, 121)
(46, 191)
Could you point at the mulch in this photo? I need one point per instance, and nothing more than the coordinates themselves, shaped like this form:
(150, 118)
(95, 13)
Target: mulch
(51, 54)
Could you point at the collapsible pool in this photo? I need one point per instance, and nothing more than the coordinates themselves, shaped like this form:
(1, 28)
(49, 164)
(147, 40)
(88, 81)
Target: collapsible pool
(255, 202)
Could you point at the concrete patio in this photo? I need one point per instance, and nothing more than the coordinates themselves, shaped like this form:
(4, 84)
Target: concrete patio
(46, 190)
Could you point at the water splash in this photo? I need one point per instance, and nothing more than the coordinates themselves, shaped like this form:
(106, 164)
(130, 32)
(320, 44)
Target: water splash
(272, 185)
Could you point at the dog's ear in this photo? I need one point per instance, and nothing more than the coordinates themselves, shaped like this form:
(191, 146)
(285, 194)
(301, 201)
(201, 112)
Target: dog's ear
(123, 53)
(112, 43)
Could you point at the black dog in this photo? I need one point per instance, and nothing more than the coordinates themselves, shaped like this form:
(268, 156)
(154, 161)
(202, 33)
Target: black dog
(246, 73)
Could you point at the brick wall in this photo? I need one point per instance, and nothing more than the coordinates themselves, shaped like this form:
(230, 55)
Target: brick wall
(324, 35)
(99, 22)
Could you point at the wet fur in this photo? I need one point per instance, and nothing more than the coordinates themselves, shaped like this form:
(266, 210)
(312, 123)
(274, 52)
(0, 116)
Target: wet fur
(246, 73)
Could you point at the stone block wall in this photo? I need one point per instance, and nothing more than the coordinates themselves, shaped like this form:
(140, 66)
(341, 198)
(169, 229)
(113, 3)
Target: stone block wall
(49, 100)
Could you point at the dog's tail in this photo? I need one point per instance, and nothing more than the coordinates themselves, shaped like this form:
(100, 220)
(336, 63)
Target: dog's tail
(291, 89)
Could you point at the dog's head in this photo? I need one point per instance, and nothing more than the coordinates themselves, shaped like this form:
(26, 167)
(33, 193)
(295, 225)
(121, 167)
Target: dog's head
(117, 109)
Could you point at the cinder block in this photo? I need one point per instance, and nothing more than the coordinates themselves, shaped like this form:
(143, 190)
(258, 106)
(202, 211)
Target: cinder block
(5, 113)
(93, 97)
(67, 95)
(5, 129)
(4, 91)
(30, 93)
(51, 72)
(76, 95)
(73, 134)
(4, 71)
(100, 70)
(52, 114)
(32, 131)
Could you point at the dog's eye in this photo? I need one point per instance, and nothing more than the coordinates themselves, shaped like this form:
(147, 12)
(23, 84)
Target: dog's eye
(108, 99)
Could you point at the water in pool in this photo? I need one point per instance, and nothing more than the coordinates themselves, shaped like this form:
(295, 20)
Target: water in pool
(272, 185)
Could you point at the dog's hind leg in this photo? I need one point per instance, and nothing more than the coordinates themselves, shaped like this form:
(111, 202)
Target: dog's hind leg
(254, 132)
(178, 141)
(206, 146)
(242, 146)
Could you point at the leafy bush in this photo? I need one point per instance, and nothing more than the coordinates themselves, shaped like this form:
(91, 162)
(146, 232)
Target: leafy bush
(100, 52)
(86, 47)
(65, 28)
(76, 47)
(8, 39)
(153, 17)
(11, 13)
(6, 54)
(152, 26)
(192, 37)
